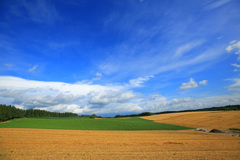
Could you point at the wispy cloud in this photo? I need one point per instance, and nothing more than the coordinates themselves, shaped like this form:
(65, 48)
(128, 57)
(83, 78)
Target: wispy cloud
(186, 48)
(33, 68)
(154, 47)
(98, 76)
(216, 4)
(235, 86)
(234, 46)
(236, 65)
(9, 65)
(138, 82)
(40, 11)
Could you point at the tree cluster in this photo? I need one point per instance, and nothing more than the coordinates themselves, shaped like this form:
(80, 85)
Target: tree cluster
(11, 112)
(42, 113)
(134, 115)
(93, 116)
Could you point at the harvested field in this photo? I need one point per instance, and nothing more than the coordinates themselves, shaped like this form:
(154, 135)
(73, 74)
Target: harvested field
(206, 119)
(43, 144)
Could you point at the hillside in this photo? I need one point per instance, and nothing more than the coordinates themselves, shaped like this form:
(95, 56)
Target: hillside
(206, 119)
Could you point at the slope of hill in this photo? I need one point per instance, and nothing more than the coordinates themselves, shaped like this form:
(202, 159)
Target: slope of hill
(206, 119)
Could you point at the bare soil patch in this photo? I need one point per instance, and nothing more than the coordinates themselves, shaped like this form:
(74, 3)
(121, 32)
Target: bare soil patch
(43, 144)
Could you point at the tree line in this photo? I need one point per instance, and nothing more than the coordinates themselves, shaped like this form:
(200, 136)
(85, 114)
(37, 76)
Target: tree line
(135, 115)
(222, 108)
(8, 112)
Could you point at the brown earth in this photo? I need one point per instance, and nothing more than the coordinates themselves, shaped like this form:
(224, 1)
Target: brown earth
(206, 119)
(43, 144)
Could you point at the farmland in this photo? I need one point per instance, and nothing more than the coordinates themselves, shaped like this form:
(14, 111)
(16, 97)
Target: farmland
(43, 144)
(27, 143)
(90, 124)
(206, 119)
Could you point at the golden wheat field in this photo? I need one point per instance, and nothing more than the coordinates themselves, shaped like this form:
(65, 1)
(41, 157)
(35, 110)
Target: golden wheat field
(43, 144)
(206, 119)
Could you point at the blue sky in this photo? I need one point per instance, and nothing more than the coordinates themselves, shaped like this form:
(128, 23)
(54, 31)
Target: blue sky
(119, 57)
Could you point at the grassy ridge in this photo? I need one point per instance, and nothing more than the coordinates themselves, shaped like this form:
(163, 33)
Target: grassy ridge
(90, 124)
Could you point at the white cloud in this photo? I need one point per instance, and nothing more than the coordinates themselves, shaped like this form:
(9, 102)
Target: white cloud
(58, 96)
(38, 11)
(203, 82)
(186, 48)
(33, 69)
(191, 84)
(138, 82)
(181, 100)
(9, 65)
(98, 76)
(108, 96)
(234, 46)
(236, 65)
(216, 4)
(84, 98)
(235, 86)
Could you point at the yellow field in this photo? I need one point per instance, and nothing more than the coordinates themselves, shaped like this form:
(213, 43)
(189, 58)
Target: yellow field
(43, 144)
(207, 119)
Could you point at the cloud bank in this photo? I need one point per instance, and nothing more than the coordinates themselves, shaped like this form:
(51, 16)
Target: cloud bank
(83, 98)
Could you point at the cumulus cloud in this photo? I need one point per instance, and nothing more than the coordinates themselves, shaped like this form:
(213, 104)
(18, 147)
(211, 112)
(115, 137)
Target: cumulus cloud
(180, 100)
(203, 82)
(191, 84)
(85, 98)
(39, 94)
(109, 96)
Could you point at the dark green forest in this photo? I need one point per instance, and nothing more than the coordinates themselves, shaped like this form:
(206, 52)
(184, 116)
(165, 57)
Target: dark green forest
(8, 112)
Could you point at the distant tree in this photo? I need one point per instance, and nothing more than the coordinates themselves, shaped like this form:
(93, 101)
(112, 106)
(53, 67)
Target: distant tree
(117, 116)
(94, 116)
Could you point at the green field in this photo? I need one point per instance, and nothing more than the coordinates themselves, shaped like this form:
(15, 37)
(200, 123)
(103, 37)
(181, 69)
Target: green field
(90, 124)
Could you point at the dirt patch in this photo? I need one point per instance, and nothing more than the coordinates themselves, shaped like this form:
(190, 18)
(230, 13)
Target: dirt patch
(173, 143)
(42, 144)
(125, 117)
(5, 122)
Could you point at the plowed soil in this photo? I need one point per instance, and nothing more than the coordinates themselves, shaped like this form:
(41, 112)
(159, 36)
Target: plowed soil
(207, 119)
(43, 144)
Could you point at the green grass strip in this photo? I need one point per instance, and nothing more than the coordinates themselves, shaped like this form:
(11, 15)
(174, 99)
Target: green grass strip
(90, 124)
